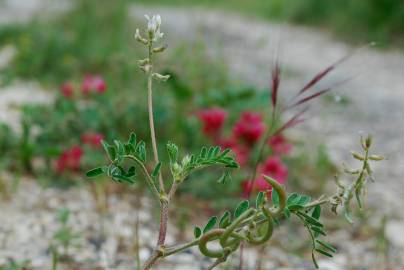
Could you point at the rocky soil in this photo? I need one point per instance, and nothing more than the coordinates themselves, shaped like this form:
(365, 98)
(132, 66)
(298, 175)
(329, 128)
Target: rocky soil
(376, 105)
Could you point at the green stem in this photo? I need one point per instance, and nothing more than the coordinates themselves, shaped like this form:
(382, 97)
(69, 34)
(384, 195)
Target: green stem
(55, 258)
(151, 115)
(146, 174)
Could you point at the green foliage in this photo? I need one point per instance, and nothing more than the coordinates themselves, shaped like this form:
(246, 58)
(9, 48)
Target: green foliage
(65, 47)
(65, 236)
(197, 232)
(241, 208)
(207, 157)
(210, 224)
(14, 265)
(225, 220)
(117, 153)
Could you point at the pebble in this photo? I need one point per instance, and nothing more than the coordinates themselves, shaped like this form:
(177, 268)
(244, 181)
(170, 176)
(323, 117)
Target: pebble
(395, 233)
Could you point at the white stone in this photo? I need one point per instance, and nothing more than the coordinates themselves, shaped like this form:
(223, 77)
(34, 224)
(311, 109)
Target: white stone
(395, 232)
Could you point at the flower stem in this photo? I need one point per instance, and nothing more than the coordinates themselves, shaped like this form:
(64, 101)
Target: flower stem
(151, 116)
(159, 251)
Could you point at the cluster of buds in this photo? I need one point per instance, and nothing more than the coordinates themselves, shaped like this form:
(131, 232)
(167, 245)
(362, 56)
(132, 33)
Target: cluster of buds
(153, 35)
(346, 192)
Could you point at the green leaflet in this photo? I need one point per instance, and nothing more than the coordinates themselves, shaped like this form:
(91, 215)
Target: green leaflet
(210, 225)
(197, 232)
(241, 208)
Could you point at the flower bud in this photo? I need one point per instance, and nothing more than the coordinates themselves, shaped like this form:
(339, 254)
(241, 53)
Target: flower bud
(153, 27)
(357, 156)
(185, 160)
(146, 68)
(176, 168)
(143, 62)
(139, 38)
(368, 141)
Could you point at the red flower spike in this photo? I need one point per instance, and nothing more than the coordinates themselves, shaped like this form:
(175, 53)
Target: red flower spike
(97, 139)
(212, 120)
(249, 128)
(93, 139)
(93, 84)
(272, 167)
(99, 84)
(275, 168)
(67, 90)
(70, 159)
(242, 152)
(280, 145)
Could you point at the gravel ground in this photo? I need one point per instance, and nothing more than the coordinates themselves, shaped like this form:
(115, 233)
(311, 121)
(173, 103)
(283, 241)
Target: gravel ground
(376, 95)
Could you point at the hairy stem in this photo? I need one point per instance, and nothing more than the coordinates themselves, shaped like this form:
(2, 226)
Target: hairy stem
(151, 116)
(164, 198)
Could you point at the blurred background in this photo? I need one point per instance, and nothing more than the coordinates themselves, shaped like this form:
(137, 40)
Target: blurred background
(69, 78)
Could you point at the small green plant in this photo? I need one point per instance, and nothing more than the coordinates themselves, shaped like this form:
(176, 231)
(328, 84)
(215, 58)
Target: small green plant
(63, 238)
(13, 265)
(250, 223)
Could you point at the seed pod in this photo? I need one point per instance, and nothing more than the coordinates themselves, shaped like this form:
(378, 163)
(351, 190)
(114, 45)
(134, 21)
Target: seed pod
(376, 157)
(349, 171)
(160, 77)
(357, 156)
(160, 49)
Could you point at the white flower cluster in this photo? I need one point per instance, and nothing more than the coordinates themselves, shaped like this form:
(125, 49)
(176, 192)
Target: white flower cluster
(153, 27)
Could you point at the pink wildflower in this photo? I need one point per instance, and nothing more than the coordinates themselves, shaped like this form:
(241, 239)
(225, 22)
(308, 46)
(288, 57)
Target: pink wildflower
(93, 84)
(70, 159)
(249, 128)
(280, 145)
(67, 90)
(212, 120)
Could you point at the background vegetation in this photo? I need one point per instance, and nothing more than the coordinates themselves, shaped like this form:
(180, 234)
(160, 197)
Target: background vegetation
(358, 21)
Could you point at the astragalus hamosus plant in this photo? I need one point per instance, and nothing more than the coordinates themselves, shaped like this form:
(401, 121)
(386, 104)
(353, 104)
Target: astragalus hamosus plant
(249, 224)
